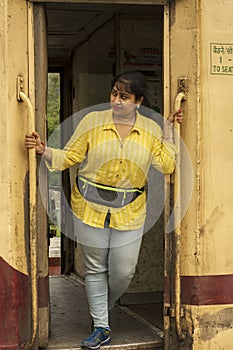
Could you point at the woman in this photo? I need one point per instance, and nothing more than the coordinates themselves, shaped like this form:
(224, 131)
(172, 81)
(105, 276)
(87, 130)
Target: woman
(114, 149)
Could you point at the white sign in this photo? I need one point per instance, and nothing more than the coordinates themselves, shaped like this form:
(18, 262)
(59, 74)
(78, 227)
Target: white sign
(221, 59)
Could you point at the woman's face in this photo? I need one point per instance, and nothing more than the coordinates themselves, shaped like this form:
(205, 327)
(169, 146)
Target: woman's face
(123, 103)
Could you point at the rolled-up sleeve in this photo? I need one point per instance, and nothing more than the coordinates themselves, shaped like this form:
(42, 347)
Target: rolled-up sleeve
(58, 160)
(73, 153)
(164, 155)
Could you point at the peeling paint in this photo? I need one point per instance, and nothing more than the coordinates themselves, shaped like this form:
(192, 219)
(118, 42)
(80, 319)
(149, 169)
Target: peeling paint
(211, 325)
(214, 218)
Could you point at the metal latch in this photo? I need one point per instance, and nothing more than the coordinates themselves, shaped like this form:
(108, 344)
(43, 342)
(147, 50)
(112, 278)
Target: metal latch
(19, 87)
(183, 86)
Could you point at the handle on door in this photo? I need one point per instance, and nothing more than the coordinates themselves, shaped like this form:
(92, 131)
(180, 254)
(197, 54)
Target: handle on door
(22, 97)
(181, 96)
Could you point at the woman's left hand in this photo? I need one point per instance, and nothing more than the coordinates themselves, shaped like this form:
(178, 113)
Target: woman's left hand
(177, 115)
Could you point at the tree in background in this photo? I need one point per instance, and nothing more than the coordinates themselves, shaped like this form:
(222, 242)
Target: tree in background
(53, 103)
(53, 135)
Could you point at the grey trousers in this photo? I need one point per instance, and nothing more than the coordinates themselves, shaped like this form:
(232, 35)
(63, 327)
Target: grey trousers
(110, 258)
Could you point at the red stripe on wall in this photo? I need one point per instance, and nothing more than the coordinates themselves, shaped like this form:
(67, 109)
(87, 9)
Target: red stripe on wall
(207, 290)
(15, 307)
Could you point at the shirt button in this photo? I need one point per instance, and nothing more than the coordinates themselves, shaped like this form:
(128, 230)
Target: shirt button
(120, 161)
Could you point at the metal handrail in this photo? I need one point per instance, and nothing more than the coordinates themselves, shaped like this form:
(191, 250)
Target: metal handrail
(177, 221)
(32, 225)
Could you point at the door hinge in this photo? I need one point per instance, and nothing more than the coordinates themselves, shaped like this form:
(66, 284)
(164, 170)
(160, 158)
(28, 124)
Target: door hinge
(172, 312)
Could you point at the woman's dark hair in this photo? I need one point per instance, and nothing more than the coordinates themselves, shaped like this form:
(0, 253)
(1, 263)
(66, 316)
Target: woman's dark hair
(133, 82)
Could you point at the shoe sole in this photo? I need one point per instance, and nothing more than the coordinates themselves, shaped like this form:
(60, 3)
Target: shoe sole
(104, 342)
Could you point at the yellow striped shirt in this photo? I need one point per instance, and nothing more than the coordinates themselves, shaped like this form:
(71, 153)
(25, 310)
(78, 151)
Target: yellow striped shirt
(105, 158)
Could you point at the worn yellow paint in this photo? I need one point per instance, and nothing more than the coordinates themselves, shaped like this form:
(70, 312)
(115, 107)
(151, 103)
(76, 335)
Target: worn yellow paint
(206, 239)
(207, 132)
(184, 62)
(210, 327)
(217, 143)
(213, 328)
(4, 206)
(13, 158)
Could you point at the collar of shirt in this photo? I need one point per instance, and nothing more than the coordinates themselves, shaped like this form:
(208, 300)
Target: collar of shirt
(110, 125)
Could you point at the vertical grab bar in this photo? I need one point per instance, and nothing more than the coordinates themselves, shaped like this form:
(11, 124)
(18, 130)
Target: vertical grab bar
(32, 226)
(177, 221)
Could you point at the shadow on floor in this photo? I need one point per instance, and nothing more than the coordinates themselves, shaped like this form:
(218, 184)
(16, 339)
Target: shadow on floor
(132, 328)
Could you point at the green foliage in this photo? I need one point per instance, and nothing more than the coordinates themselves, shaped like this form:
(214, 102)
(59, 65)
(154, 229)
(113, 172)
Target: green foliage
(53, 118)
(53, 104)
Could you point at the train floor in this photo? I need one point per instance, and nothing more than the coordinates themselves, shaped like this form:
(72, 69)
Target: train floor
(134, 327)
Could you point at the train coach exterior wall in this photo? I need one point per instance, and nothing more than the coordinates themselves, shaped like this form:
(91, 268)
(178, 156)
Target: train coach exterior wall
(14, 280)
(202, 49)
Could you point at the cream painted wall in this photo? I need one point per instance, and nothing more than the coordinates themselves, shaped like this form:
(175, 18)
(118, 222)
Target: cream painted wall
(206, 240)
(184, 62)
(4, 172)
(207, 132)
(13, 158)
(216, 242)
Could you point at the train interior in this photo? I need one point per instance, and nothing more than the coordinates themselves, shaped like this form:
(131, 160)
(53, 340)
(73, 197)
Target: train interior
(87, 45)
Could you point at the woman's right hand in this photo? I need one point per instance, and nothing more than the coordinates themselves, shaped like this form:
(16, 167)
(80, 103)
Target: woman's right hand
(33, 141)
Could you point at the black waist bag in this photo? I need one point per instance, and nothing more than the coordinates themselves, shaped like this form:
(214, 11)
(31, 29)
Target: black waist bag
(106, 195)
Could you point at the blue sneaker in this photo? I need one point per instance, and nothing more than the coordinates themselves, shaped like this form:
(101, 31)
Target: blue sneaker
(99, 337)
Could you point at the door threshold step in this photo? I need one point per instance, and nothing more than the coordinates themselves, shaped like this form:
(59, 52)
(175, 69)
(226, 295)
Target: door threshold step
(70, 321)
(134, 346)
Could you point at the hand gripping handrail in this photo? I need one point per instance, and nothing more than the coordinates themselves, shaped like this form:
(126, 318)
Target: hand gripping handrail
(177, 221)
(32, 227)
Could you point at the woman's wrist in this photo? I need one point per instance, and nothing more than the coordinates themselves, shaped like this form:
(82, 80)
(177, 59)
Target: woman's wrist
(169, 122)
(168, 131)
(41, 152)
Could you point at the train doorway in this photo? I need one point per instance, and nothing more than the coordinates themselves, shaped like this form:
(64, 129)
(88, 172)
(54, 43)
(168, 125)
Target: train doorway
(54, 184)
(87, 44)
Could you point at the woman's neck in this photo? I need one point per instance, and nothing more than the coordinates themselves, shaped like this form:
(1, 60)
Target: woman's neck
(130, 119)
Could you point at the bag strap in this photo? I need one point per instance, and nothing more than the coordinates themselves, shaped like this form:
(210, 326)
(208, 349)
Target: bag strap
(109, 188)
